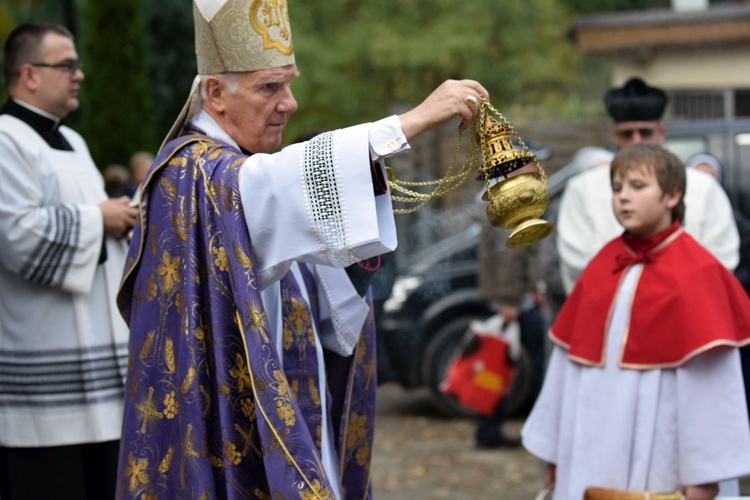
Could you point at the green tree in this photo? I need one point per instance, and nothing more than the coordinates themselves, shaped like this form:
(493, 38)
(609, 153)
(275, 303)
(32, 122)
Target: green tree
(359, 58)
(117, 117)
(592, 6)
(15, 12)
(172, 64)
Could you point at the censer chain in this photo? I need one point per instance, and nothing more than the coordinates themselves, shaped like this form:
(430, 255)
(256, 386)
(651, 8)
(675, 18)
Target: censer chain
(446, 184)
(452, 181)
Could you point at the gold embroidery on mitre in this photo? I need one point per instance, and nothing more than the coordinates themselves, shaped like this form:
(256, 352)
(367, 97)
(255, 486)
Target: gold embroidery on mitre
(242, 35)
(270, 19)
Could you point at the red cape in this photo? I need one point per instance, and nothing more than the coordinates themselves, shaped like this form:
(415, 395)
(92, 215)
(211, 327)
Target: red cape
(685, 303)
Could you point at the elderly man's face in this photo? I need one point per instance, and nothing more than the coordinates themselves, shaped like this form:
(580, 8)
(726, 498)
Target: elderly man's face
(627, 133)
(258, 111)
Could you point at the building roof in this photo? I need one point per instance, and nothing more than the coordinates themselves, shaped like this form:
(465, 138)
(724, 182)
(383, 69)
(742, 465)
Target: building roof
(638, 31)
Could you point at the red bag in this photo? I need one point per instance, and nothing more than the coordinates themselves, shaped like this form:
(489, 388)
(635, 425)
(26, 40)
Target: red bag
(479, 375)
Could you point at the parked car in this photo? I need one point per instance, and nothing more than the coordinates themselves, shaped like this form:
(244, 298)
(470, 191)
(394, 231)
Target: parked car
(431, 305)
(435, 296)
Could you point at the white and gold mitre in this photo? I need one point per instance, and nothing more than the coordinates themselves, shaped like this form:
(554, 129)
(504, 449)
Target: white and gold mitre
(241, 35)
(236, 36)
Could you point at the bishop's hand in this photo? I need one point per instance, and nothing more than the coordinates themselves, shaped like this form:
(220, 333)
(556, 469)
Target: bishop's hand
(452, 98)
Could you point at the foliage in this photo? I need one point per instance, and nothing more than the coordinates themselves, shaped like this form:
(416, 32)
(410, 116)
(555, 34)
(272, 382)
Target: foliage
(15, 12)
(359, 58)
(592, 6)
(172, 64)
(117, 118)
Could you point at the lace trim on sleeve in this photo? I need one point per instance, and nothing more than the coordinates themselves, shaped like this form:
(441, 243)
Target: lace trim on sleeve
(326, 208)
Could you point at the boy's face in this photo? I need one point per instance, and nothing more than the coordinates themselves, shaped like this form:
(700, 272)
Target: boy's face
(639, 203)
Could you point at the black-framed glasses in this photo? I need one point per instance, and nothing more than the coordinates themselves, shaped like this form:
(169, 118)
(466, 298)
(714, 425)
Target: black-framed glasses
(628, 133)
(71, 67)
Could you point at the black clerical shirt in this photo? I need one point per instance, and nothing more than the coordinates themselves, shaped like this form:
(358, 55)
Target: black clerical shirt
(47, 128)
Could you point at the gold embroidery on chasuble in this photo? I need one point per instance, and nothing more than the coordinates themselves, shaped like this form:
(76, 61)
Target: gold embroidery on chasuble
(285, 412)
(149, 495)
(168, 272)
(248, 409)
(188, 452)
(231, 455)
(357, 430)
(148, 410)
(167, 186)
(358, 427)
(166, 462)
(188, 380)
(258, 320)
(281, 383)
(261, 495)
(363, 454)
(298, 340)
(246, 438)
(206, 401)
(314, 394)
(220, 257)
(170, 405)
(136, 472)
(240, 373)
(151, 289)
(180, 224)
(178, 161)
(146, 347)
(169, 355)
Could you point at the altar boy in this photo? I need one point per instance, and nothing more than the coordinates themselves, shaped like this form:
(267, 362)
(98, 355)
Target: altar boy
(643, 387)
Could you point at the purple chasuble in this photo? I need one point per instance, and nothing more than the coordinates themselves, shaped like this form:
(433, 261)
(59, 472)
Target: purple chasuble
(209, 411)
(300, 356)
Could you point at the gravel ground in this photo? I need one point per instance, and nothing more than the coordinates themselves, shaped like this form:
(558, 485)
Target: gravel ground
(420, 455)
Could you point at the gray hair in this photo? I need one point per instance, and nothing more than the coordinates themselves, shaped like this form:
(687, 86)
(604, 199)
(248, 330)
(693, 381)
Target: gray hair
(230, 80)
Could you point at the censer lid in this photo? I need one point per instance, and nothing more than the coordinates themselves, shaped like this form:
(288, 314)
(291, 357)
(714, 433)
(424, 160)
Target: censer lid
(501, 157)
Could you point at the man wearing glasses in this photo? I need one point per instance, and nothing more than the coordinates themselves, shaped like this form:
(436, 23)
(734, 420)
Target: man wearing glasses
(586, 220)
(63, 345)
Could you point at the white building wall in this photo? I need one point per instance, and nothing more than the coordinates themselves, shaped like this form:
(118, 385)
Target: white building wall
(681, 5)
(698, 69)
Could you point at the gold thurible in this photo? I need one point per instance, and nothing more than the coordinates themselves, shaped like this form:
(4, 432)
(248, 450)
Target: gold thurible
(517, 202)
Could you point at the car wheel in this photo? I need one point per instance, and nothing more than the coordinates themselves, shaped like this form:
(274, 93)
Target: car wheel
(441, 348)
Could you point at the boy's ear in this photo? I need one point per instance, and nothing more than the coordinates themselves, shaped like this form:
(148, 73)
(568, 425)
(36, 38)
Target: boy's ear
(673, 198)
